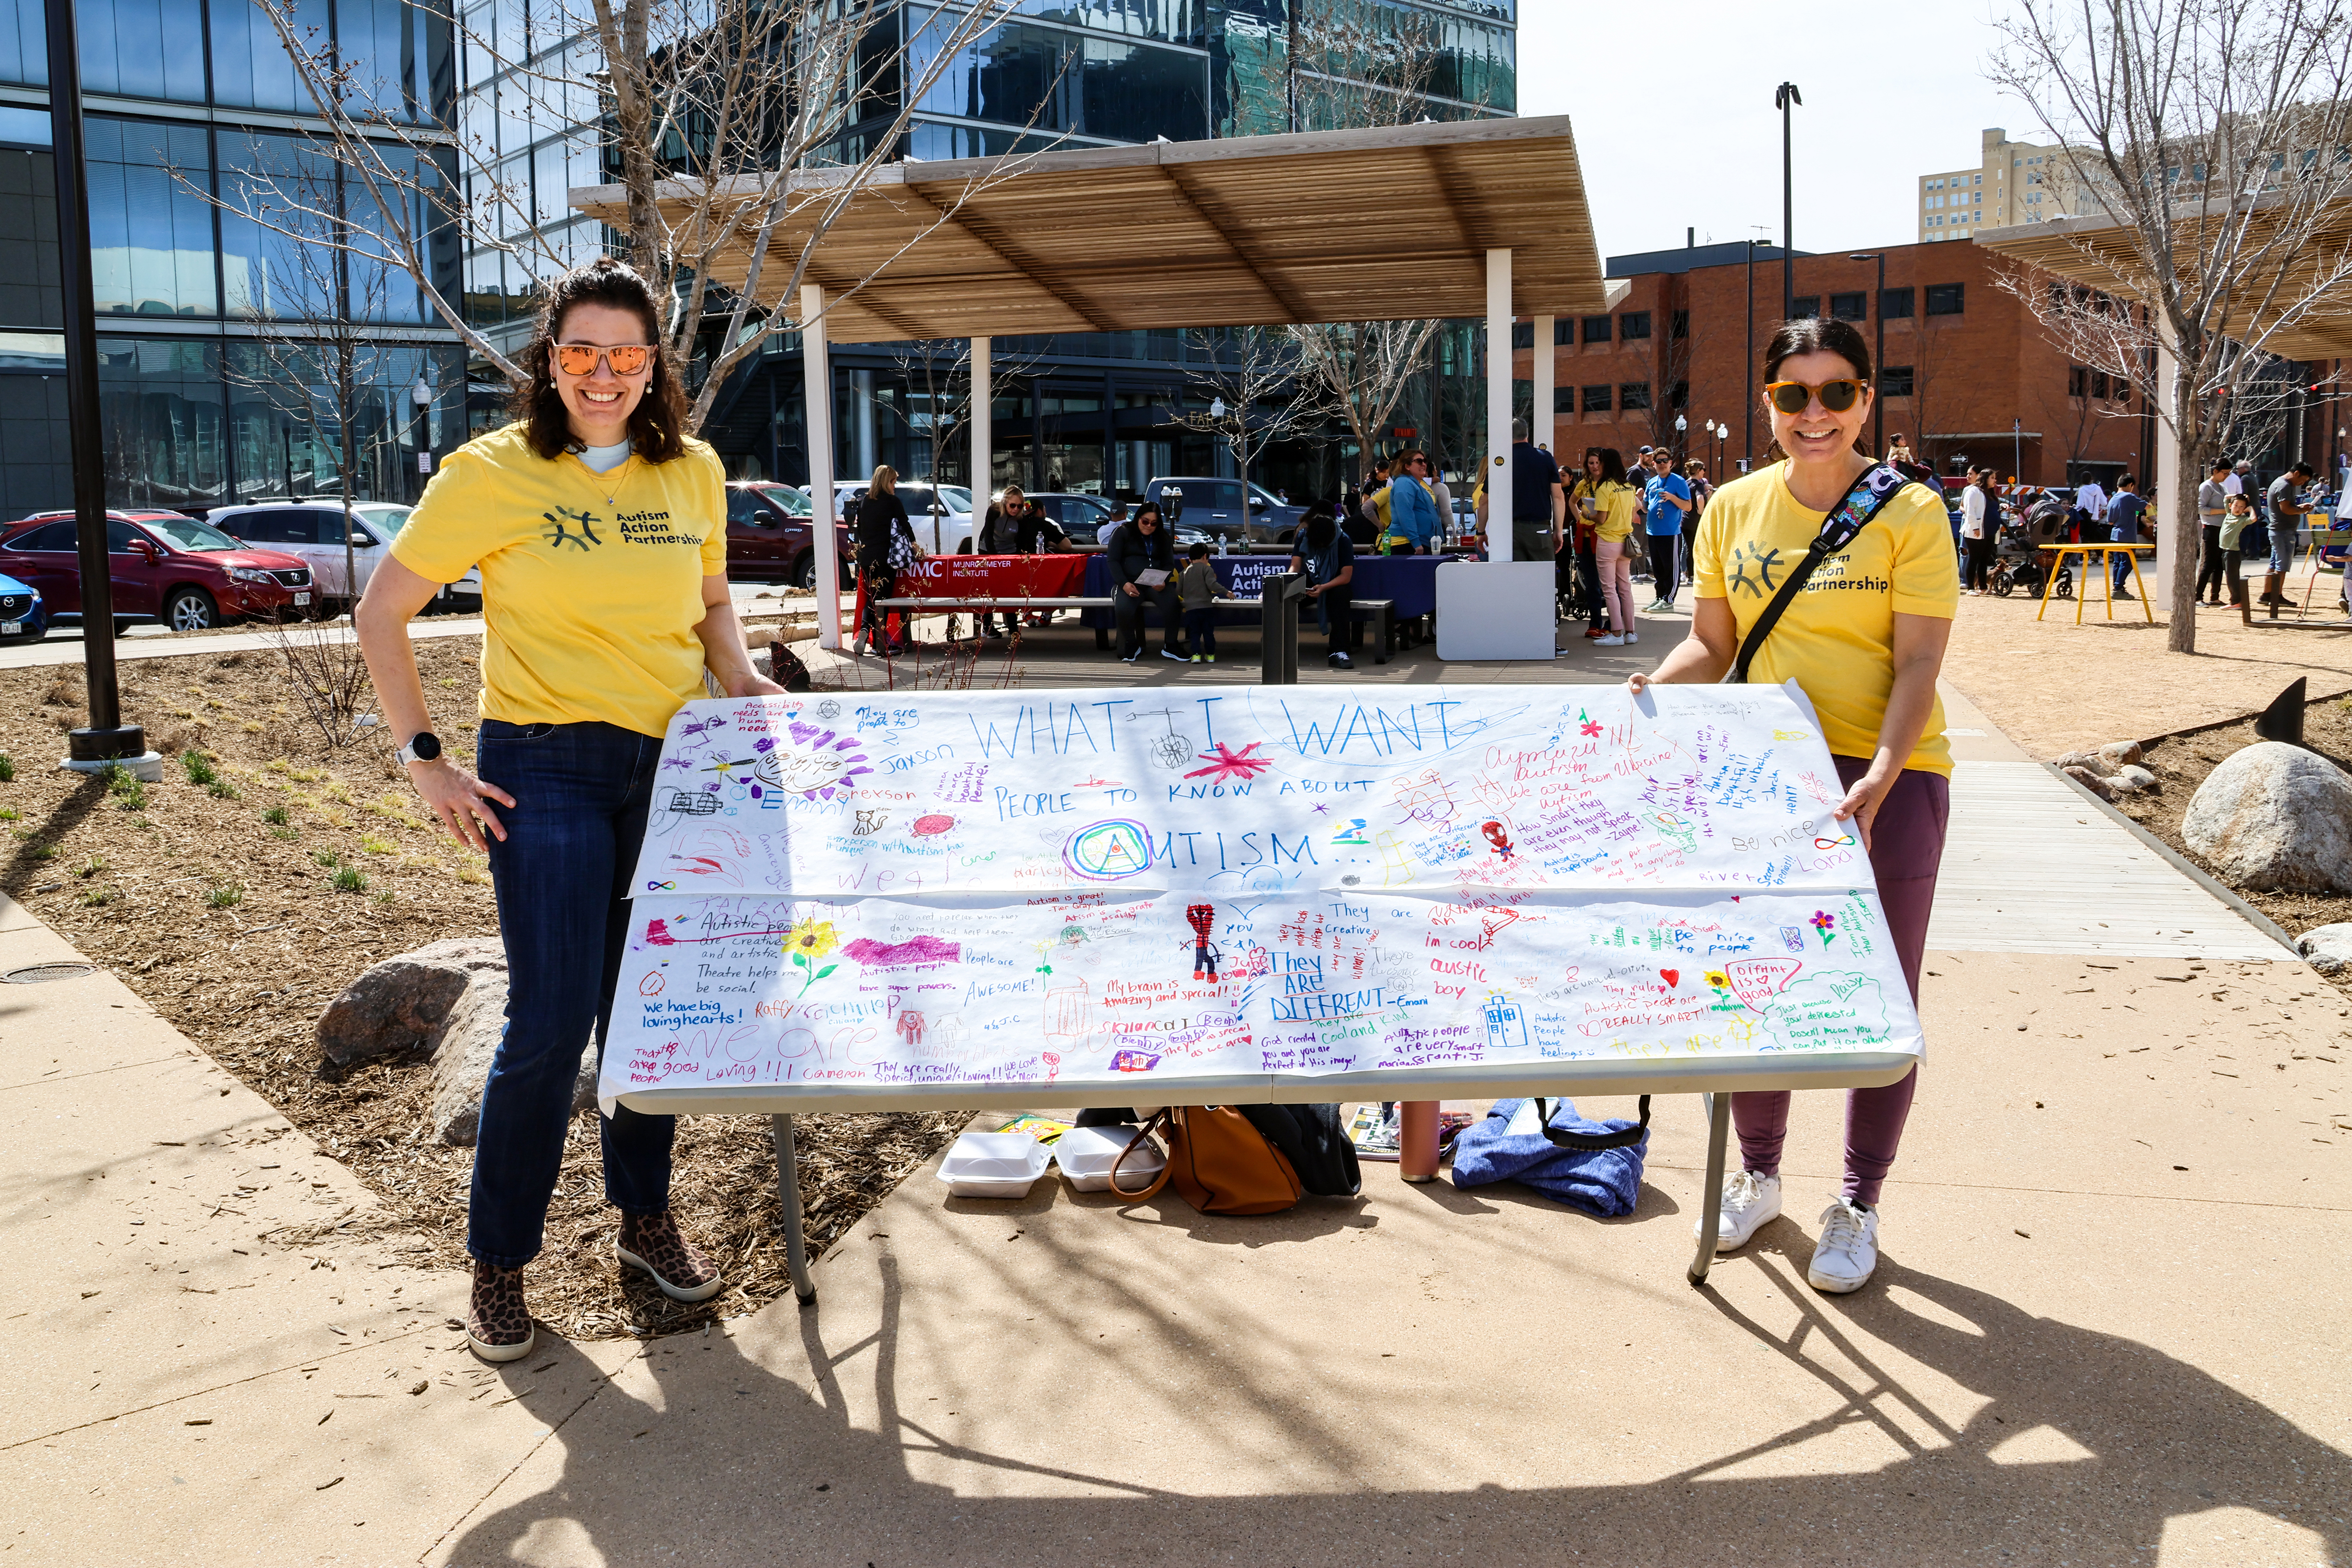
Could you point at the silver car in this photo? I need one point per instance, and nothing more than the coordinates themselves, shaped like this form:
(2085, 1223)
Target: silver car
(313, 530)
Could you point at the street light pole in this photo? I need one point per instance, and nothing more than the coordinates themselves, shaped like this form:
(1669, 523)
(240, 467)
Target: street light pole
(108, 737)
(1785, 99)
(1877, 397)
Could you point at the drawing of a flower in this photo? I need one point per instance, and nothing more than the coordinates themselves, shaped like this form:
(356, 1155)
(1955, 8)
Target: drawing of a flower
(1718, 979)
(810, 940)
(1825, 922)
(1590, 727)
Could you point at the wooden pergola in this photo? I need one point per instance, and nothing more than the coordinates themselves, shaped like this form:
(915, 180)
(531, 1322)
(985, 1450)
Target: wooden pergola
(1483, 217)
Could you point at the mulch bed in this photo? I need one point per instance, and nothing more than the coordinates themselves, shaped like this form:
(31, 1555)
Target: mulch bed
(2182, 761)
(219, 903)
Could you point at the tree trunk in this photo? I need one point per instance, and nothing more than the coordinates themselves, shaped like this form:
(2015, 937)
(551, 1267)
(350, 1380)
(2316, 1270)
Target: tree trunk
(2180, 507)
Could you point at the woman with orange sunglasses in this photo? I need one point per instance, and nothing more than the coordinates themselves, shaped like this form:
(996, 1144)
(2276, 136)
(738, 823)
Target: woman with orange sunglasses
(600, 527)
(1865, 639)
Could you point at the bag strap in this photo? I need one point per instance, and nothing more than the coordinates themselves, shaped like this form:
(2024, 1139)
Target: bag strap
(1591, 1143)
(1868, 498)
(1165, 1115)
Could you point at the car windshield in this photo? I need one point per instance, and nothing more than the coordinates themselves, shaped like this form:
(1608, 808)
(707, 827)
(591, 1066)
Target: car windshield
(958, 497)
(384, 515)
(793, 502)
(1265, 495)
(187, 533)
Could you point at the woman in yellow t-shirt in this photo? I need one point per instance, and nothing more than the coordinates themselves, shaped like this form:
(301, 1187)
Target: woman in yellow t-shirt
(1612, 506)
(1865, 639)
(600, 527)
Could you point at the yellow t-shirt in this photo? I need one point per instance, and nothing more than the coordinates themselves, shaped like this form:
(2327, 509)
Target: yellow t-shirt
(1837, 640)
(1616, 504)
(592, 584)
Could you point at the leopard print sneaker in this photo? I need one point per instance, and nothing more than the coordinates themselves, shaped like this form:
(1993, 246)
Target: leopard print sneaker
(654, 1244)
(498, 1321)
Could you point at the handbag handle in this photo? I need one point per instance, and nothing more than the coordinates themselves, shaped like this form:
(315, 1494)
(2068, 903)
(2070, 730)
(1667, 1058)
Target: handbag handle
(1591, 1143)
(1164, 1114)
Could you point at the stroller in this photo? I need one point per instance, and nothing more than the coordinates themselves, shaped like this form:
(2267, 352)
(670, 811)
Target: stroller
(2018, 560)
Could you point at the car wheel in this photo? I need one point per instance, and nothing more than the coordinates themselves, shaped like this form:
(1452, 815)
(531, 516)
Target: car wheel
(191, 610)
(805, 572)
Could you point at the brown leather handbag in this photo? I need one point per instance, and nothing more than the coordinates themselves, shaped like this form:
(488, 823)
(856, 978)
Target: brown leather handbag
(1219, 1162)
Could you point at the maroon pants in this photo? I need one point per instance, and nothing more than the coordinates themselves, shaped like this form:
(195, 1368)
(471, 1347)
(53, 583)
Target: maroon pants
(1906, 845)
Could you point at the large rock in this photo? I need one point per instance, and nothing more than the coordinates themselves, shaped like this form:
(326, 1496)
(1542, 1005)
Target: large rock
(2275, 817)
(403, 1004)
(2327, 948)
(461, 1062)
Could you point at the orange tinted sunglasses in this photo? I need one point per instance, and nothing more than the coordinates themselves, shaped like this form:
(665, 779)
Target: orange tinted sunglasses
(1792, 397)
(580, 359)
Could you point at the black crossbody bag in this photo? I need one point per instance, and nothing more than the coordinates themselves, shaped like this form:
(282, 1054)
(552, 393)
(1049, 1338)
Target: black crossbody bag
(1868, 498)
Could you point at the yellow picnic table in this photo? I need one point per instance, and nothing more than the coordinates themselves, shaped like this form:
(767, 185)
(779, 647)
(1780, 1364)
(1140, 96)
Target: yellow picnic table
(2105, 552)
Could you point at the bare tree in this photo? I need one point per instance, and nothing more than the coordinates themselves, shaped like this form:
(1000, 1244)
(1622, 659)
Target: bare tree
(1254, 390)
(729, 123)
(2208, 138)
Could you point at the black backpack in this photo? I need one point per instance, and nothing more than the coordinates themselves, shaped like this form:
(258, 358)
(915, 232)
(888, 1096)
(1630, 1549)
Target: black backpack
(1311, 1139)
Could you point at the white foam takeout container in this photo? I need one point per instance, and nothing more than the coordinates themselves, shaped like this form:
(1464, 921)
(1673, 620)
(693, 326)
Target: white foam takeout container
(993, 1165)
(1086, 1154)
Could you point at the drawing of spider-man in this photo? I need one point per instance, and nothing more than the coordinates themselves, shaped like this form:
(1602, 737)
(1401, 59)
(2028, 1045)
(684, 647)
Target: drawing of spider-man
(1202, 918)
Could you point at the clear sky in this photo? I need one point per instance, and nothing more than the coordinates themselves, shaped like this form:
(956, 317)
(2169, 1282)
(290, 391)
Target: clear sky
(1674, 124)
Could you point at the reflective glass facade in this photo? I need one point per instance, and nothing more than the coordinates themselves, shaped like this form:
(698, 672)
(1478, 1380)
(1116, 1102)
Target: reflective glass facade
(202, 402)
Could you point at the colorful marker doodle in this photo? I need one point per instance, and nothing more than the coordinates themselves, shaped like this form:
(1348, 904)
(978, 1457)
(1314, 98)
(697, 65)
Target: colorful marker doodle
(1071, 887)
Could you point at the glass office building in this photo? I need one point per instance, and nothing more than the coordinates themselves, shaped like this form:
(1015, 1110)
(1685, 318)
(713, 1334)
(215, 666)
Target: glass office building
(1089, 412)
(214, 365)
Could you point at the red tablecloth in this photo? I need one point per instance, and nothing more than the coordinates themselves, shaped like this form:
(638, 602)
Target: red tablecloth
(981, 577)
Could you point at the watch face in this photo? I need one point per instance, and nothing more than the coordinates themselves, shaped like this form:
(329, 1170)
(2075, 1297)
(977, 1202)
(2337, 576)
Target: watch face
(425, 747)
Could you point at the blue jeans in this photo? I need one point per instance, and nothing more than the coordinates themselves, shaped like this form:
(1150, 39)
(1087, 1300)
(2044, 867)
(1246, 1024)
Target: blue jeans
(581, 794)
(2123, 533)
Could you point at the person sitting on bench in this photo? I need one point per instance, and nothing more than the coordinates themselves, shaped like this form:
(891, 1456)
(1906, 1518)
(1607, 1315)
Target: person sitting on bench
(1139, 551)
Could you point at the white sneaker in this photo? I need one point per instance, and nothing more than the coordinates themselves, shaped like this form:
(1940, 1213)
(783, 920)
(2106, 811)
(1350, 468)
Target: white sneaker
(1749, 1202)
(1631, 637)
(1611, 640)
(1848, 1250)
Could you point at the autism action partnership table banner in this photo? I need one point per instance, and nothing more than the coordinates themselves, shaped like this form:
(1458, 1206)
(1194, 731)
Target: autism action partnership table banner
(1102, 887)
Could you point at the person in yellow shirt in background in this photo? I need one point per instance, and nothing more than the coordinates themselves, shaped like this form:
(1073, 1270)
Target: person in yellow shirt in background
(600, 527)
(1865, 639)
(1614, 506)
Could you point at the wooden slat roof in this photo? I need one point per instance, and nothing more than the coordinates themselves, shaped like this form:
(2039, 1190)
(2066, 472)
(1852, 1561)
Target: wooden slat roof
(1330, 227)
(2098, 254)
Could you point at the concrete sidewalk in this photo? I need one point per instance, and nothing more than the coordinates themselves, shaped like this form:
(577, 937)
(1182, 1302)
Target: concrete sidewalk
(2109, 1328)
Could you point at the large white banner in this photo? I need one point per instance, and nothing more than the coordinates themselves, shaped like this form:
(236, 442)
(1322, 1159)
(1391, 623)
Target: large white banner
(1093, 887)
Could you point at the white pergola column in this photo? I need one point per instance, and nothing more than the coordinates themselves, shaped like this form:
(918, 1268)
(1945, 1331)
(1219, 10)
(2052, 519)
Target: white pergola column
(817, 379)
(1498, 405)
(983, 434)
(1540, 427)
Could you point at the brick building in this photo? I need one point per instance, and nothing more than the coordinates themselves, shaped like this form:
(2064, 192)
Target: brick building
(1966, 375)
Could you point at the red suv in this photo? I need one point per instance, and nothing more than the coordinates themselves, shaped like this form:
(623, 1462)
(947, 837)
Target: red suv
(769, 539)
(187, 574)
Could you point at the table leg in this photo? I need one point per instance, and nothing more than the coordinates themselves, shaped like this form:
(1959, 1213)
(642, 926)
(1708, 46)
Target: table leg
(2049, 581)
(1417, 1150)
(1718, 1131)
(2083, 588)
(2141, 583)
(788, 1192)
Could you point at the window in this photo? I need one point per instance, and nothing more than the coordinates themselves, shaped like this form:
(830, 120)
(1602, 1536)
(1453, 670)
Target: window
(1634, 324)
(1895, 381)
(1563, 399)
(1596, 400)
(1979, 179)
(2078, 381)
(1632, 395)
(60, 535)
(1804, 306)
(1895, 302)
(287, 526)
(1682, 324)
(1947, 298)
(1596, 329)
(1523, 334)
(1680, 396)
(1563, 332)
(1849, 306)
(2098, 383)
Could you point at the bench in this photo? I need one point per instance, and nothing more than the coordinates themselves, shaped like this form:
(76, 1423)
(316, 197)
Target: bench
(1382, 612)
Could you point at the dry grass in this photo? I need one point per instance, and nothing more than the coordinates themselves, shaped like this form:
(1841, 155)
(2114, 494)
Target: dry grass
(146, 888)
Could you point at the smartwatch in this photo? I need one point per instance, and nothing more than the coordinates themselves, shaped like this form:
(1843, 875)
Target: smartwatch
(424, 748)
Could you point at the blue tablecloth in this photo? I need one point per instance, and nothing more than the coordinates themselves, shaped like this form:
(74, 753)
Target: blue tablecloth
(1409, 580)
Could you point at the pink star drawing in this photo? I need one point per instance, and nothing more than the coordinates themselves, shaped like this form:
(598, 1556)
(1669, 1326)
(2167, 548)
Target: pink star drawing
(1227, 764)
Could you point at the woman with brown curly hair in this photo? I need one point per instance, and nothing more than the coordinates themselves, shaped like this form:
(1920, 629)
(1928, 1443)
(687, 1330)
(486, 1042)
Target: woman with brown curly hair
(600, 527)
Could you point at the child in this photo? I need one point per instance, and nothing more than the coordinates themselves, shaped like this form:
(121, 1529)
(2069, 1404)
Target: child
(1198, 591)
